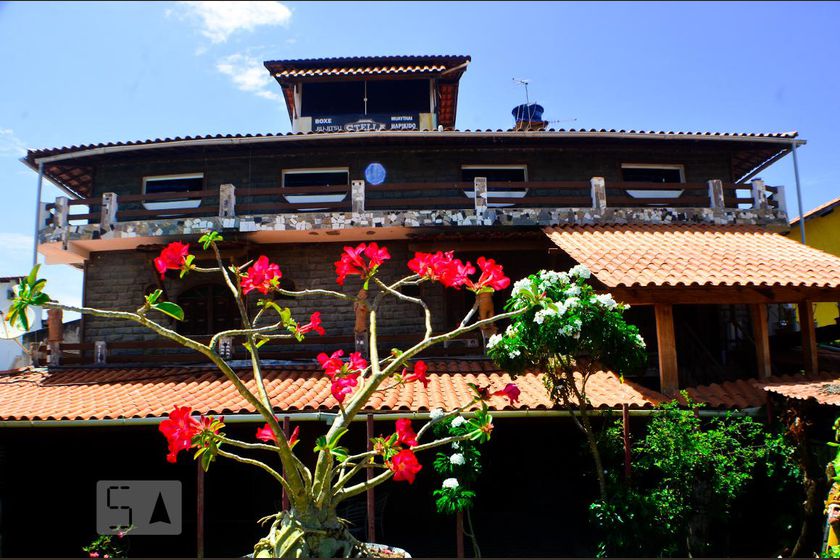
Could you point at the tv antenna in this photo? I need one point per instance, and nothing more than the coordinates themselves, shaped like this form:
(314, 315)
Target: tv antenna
(524, 82)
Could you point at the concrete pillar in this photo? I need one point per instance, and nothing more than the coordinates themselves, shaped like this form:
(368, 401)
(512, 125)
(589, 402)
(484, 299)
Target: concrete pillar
(761, 336)
(480, 189)
(108, 210)
(716, 194)
(61, 212)
(759, 194)
(599, 193)
(54, 358)
(55, 325)
(100, 352)
(227, 201)
(781, 199)
(357, 196)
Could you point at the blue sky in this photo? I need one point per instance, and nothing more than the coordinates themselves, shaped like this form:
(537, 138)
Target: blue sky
(87, 72)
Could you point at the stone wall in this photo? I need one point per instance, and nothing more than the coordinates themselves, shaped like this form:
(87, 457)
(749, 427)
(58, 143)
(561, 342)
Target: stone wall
(118, 280)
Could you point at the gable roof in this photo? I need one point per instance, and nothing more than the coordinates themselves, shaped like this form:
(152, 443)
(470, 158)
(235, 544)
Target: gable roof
(819, 211)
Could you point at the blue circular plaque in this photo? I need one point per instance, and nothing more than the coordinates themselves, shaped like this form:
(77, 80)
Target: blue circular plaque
(375, 173)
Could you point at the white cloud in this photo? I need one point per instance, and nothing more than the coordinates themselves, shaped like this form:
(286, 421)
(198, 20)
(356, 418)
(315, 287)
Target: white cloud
(248, 74)
(11, 145)
(219, 20)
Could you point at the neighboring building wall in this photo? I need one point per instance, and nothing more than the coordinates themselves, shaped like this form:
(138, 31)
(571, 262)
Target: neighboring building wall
(822, 232)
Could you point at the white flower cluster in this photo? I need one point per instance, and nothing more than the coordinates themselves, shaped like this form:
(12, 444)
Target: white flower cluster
(512, 329)
(493, 340)
(520, 286)
(457, 421)
(572, 328)
(553, 277)
(580, 271)
(451, 483)
(640, 341)
(436, 414)
(513, 353)
(457, 459)
(573, 290)
(605, 300)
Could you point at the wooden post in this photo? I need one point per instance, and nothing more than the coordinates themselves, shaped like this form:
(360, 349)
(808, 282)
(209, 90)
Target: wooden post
(625, 421)
(62, 208)
(761, 335)
(227, 201)
(809, 338)
(357, 196)
(599, 193)
(459, 528)
(199, 512)
(480, 189)
(371, 498)
(287, 428)
(669, 380)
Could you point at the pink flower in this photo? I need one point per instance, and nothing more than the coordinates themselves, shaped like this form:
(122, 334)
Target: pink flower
(179, 430)
(266, 434)
(94, 555)
(261, 276)
(405, 433)
(511, 391)
(357, 363)
(405, 466)
(331, 364)
(419, 374)
(492, 277)
(352, 262)
(172, 257)
(441, 267)
(343, 386)
(314, 324)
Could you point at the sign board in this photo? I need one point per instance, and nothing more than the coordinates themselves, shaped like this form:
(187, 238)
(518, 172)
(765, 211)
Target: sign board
(358, 123)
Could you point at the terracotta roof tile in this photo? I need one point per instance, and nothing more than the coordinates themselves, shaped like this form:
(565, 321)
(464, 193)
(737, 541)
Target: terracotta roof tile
(360, 71)
(823, 388)
(695, 255)
(747, 393)
(105, 393)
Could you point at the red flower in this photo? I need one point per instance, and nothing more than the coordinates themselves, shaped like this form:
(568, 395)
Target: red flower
(343, 386)
(331, 364)
(266, 434)
(179, 430)
(314, 324)
(418, 375)
(492, 277)
(511, 391)
(261, 276)
(172, 257)
(94, 555)
(352, 261)
(441, 267)
(405, 466)
(405, 433)
(357, 363)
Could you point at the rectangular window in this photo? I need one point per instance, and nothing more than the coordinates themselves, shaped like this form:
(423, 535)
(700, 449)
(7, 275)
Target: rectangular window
(333, 98)
(652, 173)
(305, 183)
(184, 183)
(496, 174)
(398, 96)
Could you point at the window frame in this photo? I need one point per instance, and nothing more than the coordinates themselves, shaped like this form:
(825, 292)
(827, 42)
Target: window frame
(664, 192)
(491, 194)
(307, 198)
(173, 204)
(669, 166)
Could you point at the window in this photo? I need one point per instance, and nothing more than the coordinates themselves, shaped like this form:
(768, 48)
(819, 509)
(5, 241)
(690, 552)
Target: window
(333, 98)
(348, 98)
(398, 96)
(173, 184)
(208, 309)
(496, 174)
(306, 182)
(652, 173)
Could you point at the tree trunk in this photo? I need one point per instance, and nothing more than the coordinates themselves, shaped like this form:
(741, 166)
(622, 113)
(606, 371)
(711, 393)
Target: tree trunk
(596, 453)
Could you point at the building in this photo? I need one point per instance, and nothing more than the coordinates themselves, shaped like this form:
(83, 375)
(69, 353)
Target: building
(821, 227)
(674, 223)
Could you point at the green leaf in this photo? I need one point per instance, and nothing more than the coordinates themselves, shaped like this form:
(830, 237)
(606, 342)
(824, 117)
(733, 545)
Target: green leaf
(33, 275)
(168, 308)
(153, 297)
(208, 238)
(320, 443)
(337, 436)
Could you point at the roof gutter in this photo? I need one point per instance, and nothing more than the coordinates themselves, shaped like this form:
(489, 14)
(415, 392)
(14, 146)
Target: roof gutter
(105, 150)
(329, 417)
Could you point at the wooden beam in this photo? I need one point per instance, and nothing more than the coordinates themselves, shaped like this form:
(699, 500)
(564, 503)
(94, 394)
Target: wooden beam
(809, 338)
(721, 294)
(669, 381)
(761, 335)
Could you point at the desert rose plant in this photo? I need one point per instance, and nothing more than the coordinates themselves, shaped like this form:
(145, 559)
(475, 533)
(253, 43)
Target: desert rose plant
(311, 526)
(567, 331)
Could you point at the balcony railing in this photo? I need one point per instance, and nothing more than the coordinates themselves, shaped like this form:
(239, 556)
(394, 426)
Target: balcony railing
(480, 195)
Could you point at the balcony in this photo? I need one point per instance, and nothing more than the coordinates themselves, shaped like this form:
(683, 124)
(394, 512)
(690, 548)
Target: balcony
(70, 229)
